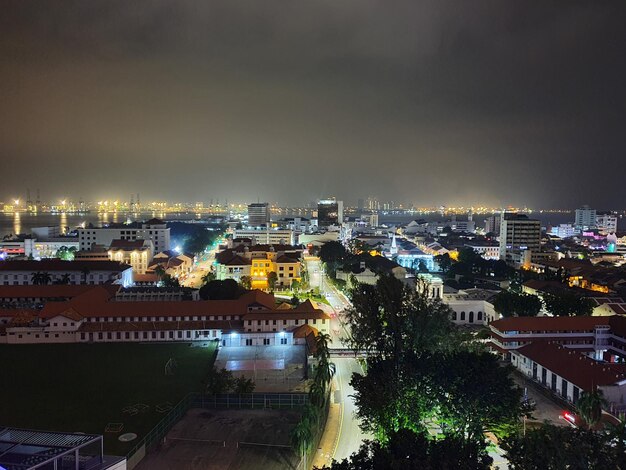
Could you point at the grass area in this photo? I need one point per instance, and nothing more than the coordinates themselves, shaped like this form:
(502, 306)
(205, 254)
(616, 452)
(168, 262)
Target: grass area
(82, 387)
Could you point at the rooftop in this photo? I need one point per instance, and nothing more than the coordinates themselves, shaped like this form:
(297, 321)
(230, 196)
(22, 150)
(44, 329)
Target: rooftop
(51, 264)
(573, 366)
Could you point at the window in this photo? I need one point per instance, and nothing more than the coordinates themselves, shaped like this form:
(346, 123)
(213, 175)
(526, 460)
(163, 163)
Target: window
(462, 316)
(283, 340)
(266, 341)
(453, 316)
(248, 341)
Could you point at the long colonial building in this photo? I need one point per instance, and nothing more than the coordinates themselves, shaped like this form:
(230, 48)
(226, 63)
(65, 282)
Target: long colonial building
(98, 315)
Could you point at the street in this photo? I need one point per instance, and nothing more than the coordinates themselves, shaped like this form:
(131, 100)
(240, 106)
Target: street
(349, 436)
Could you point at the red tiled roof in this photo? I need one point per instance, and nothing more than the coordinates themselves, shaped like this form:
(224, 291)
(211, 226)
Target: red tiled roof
(132, 244)
(303, 331)
(50, 291)
(286, 315)
(286, 259)
(161, 326)
(59, 265)
(573, 366)
(257, 296)
(549, 323)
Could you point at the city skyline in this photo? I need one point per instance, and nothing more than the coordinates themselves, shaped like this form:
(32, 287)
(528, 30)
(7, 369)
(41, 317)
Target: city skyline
(437, 102)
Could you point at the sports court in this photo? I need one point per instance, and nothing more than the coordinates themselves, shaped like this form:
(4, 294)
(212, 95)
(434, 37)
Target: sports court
(227, 439)
(273, 368)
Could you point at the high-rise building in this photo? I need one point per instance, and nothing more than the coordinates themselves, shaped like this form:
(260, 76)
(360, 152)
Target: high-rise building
(492, 224)
(606, 223)
(329, 212)
(585, 218)
(258, 214)
(519, 233)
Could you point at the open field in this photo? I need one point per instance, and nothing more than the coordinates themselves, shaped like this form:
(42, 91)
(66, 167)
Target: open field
(83, 387)
(227, 439)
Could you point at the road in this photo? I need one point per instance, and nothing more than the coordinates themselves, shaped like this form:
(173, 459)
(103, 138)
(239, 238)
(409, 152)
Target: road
(203, 265)
(350, 435)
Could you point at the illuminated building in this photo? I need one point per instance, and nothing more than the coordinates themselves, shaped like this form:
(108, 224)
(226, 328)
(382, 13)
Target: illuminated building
(136, 253)
(154, 229)
(606, 223)
(329, 212)
(518, 233)
(585, 218)
(258, 214)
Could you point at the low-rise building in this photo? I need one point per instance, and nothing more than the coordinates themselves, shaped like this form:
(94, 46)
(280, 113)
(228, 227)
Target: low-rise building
(98, 316)
(50, 271)
(136, 253)
(258, 261)
(568, 373)
(487, 249)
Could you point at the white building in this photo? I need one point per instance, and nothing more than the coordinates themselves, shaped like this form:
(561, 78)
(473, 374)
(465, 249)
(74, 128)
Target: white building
(266, 236)
(585, 218)
(568, 373)
(96, 316)
(24, 272)
(490, 251)
(154, 229)
(563, 231)
(606, 223)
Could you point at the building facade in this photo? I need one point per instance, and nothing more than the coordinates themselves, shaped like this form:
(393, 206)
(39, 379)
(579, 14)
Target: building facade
(50, 271)
(518, 233)
(154, 230)
(259, 214)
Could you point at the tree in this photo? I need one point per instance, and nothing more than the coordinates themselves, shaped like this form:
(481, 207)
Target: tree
(41, 279)
(422, 268)
(295, 286)
(567, 304)
(407, 450)
(227, 289)
(85, 272)
(444, 262)
(160, 272)
(63, 280)
(208, 277)
(590, 406)
(219, 381)
(243, 385)
(302, 436)
(333, 254)
(474, 395)
(272, 279)
(560, 448)
(509, 304)
(246, 282)
(66, 253)
(169, 281)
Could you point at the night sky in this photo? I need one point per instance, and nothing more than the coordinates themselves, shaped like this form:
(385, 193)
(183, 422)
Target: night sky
(430, 102)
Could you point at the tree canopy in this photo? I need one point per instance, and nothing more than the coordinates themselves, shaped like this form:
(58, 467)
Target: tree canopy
(511, 304)
(565, 304)
(221, 290)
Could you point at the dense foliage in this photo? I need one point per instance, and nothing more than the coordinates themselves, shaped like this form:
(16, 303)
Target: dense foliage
(558, 447)
(406, 450)
(511, 304)
(566, 304)
(221, 290)
(421, 371)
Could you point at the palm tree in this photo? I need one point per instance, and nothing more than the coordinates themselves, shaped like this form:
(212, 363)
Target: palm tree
(302, 437)
(324, 372)
(85, 271)
(590, 405)
(208, 277)
(46, 278)
(36, 278)
(63, 280)
(317, 394)
(160, 272)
